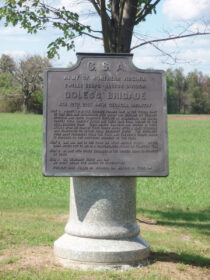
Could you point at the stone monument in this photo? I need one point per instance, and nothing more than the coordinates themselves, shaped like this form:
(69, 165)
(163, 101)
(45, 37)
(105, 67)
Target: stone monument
(105, 123)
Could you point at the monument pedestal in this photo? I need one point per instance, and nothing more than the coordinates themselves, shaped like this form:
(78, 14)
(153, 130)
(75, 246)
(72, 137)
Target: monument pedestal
(101, 232)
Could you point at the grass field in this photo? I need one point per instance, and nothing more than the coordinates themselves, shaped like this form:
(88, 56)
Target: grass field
(174, 211)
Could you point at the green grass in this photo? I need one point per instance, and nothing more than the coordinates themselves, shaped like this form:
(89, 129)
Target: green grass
(22, 185)
(188, 184)
(9, 260)
(28, 230)
(76, 275)
(32, 206)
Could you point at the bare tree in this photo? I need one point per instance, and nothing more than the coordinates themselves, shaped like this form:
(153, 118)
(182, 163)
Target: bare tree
(30, 76)
(7, 64)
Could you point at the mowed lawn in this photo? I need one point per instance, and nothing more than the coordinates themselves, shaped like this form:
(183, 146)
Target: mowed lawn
(174, 212)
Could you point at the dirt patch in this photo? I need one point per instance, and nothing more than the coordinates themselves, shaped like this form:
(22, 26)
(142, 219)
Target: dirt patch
(195, 117)
(35, 257)
(55, 217)
(153, 227)
(178, 271)
(62, 218)
(29, 215)
(43, 257)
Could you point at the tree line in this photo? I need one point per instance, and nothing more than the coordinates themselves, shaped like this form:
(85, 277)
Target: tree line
(21, 87)
(187, 94)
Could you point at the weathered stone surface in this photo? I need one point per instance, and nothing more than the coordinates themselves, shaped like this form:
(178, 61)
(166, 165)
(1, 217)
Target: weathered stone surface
(99, 266)
(105, 117)
(102, 251)
(102, 232)
(103, 208)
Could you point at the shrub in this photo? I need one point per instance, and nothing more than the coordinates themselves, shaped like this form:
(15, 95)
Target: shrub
(11, 103)
(36, 102)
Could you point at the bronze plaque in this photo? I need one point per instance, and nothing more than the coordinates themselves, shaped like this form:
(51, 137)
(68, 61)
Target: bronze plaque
(105, 117)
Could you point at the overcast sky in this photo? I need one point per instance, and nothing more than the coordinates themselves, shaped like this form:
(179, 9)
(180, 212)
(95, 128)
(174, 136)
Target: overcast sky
(171, 16)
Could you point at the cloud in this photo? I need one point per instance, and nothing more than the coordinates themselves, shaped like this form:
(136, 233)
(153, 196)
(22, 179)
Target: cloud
(12, 31)
(201, 27)
(16, 54)
(85, 44)
(146, 57)
(191, 42)
(85, 10)
(145, 61)
(186, 10)
(200, 55)
(77, 6)
(190, 53)
(21, 39)
(16, 34)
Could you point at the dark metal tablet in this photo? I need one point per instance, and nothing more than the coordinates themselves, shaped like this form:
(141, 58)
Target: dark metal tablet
(105, 117)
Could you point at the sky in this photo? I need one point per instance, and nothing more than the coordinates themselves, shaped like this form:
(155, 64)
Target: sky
(171, 18)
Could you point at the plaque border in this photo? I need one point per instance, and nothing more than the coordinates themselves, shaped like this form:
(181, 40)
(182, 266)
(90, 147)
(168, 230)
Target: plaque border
(80, 56)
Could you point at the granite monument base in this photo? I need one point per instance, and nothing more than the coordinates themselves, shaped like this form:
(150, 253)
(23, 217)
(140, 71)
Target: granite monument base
(101, 232)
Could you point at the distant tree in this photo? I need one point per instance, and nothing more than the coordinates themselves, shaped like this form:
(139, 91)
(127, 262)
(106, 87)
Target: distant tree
(30, 76)
(172, 100)
(198, 87)
(197, 101)
(7, 64)
(11, 99)
(8, 85)
(207, 96)
(187, 94)
(180, 89)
